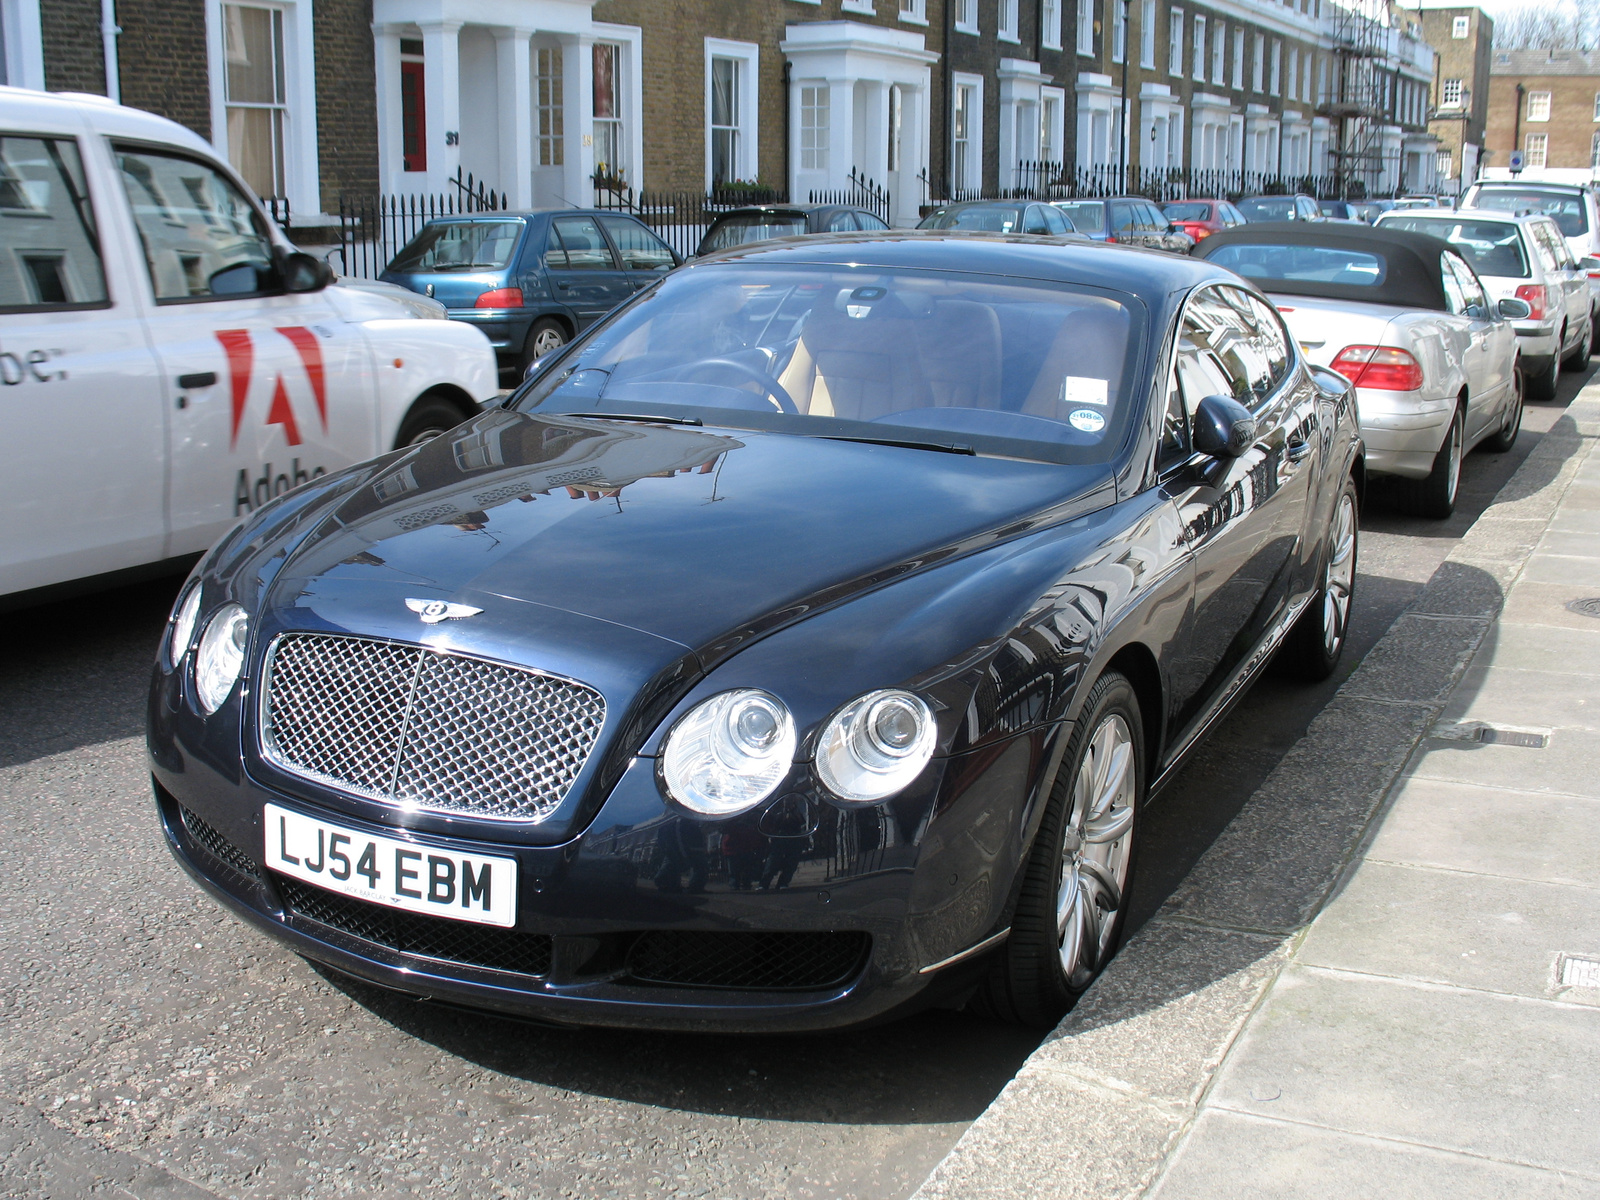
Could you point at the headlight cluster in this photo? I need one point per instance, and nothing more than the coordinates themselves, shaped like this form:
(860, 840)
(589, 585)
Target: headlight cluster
(729, 753)
(220, 657)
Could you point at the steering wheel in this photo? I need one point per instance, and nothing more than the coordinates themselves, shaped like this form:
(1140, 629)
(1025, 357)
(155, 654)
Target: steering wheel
(769, 386)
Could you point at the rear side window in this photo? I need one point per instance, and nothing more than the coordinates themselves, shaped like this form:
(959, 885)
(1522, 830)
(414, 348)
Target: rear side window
(1122, 218)
(1492, 247)
(842, 222)
(459, 246)
(584, 244)
(1557, 244)
(202, 239)
(868, 221)
(49, 244)
(755, 227)
(1549, 257)
(641, 250)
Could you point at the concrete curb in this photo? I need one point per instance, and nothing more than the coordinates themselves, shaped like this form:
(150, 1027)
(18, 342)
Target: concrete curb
(1098, 1107)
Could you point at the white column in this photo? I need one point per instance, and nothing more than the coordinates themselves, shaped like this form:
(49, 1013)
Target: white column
(514, 63)
(873, 159)
(577, 58)
(841, 134)
(441, 56)
(386, 63)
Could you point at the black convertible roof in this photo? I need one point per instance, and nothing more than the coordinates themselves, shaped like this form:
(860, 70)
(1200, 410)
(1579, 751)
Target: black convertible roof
(1411, 276)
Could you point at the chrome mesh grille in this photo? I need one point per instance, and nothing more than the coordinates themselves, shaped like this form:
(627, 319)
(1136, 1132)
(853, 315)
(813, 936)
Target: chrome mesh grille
(408, 725)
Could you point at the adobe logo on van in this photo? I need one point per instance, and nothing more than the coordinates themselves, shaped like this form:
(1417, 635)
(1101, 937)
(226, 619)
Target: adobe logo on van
(236, 344)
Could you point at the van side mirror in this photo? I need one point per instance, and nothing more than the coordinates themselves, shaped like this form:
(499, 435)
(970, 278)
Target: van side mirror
(1223, 428)
(1515, 310)
(1589, 264)
(303, 273)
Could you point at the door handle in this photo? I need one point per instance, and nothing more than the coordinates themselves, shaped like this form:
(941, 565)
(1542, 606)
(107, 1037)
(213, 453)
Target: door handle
(198, 379)
(563, 286)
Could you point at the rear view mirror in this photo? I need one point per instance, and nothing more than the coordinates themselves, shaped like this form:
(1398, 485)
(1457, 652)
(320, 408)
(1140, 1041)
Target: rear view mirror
(1223, 428)
(1515, 310)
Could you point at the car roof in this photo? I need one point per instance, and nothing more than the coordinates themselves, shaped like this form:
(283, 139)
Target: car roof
(1146, 273)
(962, 205)
(70, 112)
(1410, 281)
(1537, 185)
(1465, 214)
(800, 210)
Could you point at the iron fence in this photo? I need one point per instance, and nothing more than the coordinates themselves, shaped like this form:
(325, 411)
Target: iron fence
(862, 193)
(1057, 181)
(682, 218)
(278, 209)
(372, 229)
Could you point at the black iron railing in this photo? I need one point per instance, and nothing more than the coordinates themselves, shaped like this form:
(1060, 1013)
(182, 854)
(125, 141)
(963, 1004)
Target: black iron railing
(681, 218)
(862, 193)
(1057, 181)
(372, 229)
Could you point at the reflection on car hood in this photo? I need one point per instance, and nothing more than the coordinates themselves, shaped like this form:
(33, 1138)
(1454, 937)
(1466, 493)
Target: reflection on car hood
(703, 537)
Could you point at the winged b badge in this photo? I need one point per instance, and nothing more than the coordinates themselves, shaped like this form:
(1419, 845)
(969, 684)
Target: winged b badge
(434, 611)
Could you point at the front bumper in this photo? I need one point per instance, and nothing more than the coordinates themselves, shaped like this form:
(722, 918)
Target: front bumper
(1402, 431)
(648, 918)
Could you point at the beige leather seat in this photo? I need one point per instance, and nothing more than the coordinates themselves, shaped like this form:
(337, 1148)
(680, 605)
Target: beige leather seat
(1090, 344)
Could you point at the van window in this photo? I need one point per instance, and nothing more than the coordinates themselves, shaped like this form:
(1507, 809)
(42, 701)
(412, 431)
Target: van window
(202, 239)
(49, 246)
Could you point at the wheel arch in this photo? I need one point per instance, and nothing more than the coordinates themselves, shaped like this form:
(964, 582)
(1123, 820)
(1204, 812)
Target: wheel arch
(1137, 663)
(448, 392)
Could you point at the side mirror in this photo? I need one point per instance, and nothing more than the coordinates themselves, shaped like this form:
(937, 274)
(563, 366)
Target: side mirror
(1223, 428)
(1515, 310)
(302, 273)
(1589, 264)
(1173, 227)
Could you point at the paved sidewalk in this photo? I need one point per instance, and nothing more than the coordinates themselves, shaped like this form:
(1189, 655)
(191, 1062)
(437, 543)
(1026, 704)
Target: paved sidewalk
(1402, 997)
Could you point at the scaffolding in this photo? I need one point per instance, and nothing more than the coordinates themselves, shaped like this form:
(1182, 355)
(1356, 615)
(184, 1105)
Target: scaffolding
(1356, 102)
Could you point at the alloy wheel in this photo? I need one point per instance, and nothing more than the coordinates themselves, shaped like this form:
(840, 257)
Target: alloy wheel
(1340, 577)
(1456, 438)
(546, 340)
(1095, 856)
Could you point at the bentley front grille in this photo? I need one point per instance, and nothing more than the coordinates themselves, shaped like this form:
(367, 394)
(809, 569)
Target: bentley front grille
(410, 726)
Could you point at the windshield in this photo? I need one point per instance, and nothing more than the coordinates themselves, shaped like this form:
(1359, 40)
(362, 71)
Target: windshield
(755, 227)
(1567, 210)
(1088, 216)
(1188, 212)
(459, 246)
(1492, 247)
(1268, 209)
(1303, 264)
(991, 218)
(1003, 366)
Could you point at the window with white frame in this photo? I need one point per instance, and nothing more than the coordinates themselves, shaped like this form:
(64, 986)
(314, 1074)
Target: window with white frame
(1323, 95)
(966, 116)
(1238, 58)
(1086, 26)
(858, 6)
(814, 108)
(1538, 106)
(1007, 30)
(609, 146)
(1594, 152)
(1534, 150)
(1198, 66)
(1219, 42)
(1050, 23)
(1441, 164)
(966, 16)
(915, 11)
(256, 94)
(1052, 124)
(1119, 32)
(724, 127)
(1277, 68)
(1258, 74)
(1294, 72)
(1459, 27)
(1174, 39)
(550, 106)
(1305, 81)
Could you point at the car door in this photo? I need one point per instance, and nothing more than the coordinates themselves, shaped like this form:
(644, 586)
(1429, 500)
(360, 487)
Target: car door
(1121, 223)
(1488, 356)
(582, 270)
(82, 489)
(1243, 517)
(1573, 282)
(645, 257)
(265, 389)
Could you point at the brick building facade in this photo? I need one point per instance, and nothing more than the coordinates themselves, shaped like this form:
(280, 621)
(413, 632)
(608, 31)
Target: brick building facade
(1545, 104)
(1463, 43)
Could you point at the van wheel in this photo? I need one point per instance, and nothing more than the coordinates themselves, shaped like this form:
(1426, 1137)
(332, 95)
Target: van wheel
(1578, 360)
(546, 335)
(430, 416)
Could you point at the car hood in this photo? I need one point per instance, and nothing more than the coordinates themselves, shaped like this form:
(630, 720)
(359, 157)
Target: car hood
(705, 538)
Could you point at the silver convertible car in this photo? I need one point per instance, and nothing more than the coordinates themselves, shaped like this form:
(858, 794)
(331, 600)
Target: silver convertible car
(1405, 319)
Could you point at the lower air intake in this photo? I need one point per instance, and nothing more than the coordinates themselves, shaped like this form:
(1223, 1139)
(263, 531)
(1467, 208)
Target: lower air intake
(749, 961)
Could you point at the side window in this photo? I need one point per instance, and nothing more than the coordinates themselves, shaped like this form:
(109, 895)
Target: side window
(202, 239)
(1121, 218)
(1559, 247)
(1033, 220)
(868, 221)
(1215, 355)
(1155, 219)
(1477, 304)
(1175, 426)
(1054, 220)
(842, 222)
(49, 244)
(584, 243)
(1308, 208)
(1273, 341)
(1453, 299)
(641, 250)
(1541, 244)
(555, 255)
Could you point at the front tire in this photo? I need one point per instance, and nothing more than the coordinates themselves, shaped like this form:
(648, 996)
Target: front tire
(1313, 648)
(430, 416)
(1435, 496)
(1074, 898)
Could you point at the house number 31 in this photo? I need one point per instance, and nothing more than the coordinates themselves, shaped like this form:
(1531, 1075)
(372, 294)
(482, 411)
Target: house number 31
(452, 138)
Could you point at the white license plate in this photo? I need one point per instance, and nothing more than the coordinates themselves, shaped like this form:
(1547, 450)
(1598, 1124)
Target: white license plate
(387, 871)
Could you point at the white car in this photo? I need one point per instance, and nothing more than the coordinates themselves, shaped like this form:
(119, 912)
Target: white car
(1573, 207)
(168, 362)
(1526, 258)
(1404, 318)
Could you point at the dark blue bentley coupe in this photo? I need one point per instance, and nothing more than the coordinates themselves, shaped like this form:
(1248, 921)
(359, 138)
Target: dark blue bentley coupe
(795, 648)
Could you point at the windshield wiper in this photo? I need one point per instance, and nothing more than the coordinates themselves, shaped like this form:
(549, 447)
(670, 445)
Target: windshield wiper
(941, 447)
(622, 416)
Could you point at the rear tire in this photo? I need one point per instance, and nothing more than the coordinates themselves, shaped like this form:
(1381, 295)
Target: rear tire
(1506, 437)
(545, 335)
(1313, 648)
(1074, 898)
(1435, 496)
(1578, 360)
(430, 416)
(1542, 385)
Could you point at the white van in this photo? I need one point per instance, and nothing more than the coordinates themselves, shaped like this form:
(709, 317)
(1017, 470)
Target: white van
(168, 362)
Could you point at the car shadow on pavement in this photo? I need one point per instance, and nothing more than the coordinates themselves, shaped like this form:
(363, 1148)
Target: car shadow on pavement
(933, 1068)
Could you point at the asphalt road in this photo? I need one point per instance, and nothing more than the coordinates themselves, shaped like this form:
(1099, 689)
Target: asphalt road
(179, 1046)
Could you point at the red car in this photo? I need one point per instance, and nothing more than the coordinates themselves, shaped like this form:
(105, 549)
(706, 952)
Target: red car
(1201, 218)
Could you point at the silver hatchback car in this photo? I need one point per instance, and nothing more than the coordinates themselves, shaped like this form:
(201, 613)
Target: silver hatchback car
(1526, 258)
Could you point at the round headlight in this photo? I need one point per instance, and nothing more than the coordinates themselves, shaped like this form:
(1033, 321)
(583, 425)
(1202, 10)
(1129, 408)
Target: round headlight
(183, 619)
(221, 656)
(875, 745)
(729, 752)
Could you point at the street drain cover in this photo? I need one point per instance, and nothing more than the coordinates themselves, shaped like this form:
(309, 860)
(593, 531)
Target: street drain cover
(1512, 737)
(1589, 607)
(1579, 972)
